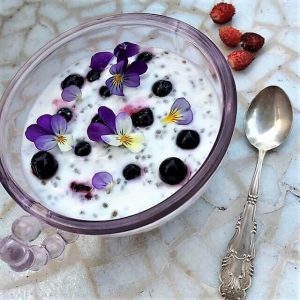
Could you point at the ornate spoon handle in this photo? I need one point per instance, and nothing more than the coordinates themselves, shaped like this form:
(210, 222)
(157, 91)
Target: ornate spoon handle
(237, 268)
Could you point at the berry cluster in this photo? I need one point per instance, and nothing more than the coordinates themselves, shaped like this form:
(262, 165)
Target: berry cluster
(251, 42)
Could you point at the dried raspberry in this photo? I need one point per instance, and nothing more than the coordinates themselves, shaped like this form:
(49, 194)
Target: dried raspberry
(240, 59)
(230, 36)
(222, 13)
(251, 41)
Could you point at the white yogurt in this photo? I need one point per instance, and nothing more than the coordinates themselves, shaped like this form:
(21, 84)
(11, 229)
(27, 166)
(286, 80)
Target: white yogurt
(127, 197)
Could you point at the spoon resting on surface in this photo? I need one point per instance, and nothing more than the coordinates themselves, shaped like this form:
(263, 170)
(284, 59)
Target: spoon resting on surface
(268, 122)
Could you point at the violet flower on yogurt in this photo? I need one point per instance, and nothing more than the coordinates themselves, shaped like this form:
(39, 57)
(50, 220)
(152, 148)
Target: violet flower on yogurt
(100, 60)
(49, 132)
(125, 50)
(108, 125)
(180, 113)
(102, 180)
(122, 134)
(124, 75)
(71, 93)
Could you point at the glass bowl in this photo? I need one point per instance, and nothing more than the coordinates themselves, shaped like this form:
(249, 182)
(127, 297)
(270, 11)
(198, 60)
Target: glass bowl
(83, 41)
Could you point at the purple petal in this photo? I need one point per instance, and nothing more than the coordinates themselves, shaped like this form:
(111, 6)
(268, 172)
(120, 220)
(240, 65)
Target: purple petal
(123, 123)
(114, 89)
(108, 117)
(34, 131)
(184, 108)
(130, 48)
(96, 130)
(187, 118)
(118, 68)
(138, 67)
(58, 124)
(71, 93)
(100, 60)
(45, 142)
(122, 56)
(131, 79)
(101, 180)
(45, 122)
(181, 104)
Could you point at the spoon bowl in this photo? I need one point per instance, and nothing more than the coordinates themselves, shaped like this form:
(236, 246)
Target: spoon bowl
(269, 118)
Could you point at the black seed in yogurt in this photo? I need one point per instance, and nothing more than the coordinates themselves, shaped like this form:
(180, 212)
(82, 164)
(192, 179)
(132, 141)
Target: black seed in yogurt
(188, 139)
(43, 165)
(145, 56)
(80, 188)
(83, 148)
(73, 79)
(66, 113)
(131, 171)
(172, 170)
(162, 88)
(142, 118)
(104, 91)
(93, 75)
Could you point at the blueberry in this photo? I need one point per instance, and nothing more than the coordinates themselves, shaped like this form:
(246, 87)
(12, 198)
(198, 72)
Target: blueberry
(93, 75)
(145, 56)
(188, 139)
(143, 117)
(162, 88)
(104, 91)
(66, 113)
(96, 119)
(131, 171)
(43, 165)
(80, 188)
(83, 148)
(73, 79)
(172, 170)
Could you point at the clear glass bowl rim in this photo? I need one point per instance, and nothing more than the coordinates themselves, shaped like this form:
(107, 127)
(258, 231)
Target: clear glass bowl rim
(184, 194)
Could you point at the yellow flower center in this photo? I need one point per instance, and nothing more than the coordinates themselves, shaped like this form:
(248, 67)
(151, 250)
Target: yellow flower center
(118, 79)
(172, 117)
(125, 139)
(60, 139)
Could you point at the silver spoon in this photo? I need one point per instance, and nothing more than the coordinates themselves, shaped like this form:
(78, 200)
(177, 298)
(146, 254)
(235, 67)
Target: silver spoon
(268, 122)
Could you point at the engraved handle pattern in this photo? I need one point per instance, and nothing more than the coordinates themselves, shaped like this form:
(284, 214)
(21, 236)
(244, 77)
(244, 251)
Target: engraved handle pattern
(237, 268)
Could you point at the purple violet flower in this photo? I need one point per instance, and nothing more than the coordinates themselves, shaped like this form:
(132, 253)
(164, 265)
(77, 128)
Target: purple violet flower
(125, 50)
(71, 93)
(125, 76)
(180, 113)
(102, 180)
(49, 132)
(96, 130)
(100, 60)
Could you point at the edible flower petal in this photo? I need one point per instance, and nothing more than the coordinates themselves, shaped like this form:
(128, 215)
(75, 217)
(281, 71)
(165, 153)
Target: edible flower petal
(108, 117)
(126, 49)
(139, 67)
(124, 76)
(180, 113)
(102, 180)
(95, 131)
(134, 142)
(100, 60)
(49, 132)
(71, 93)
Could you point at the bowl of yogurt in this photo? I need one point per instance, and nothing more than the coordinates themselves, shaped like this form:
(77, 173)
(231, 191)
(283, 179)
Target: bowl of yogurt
(116, 125)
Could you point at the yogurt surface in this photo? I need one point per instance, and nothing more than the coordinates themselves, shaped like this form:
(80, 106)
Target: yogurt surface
(127, 197)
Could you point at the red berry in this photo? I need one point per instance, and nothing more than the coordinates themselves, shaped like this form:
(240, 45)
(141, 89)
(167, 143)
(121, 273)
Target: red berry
(240, 59)
(251, 41)
(230, 36)
(222, 13)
